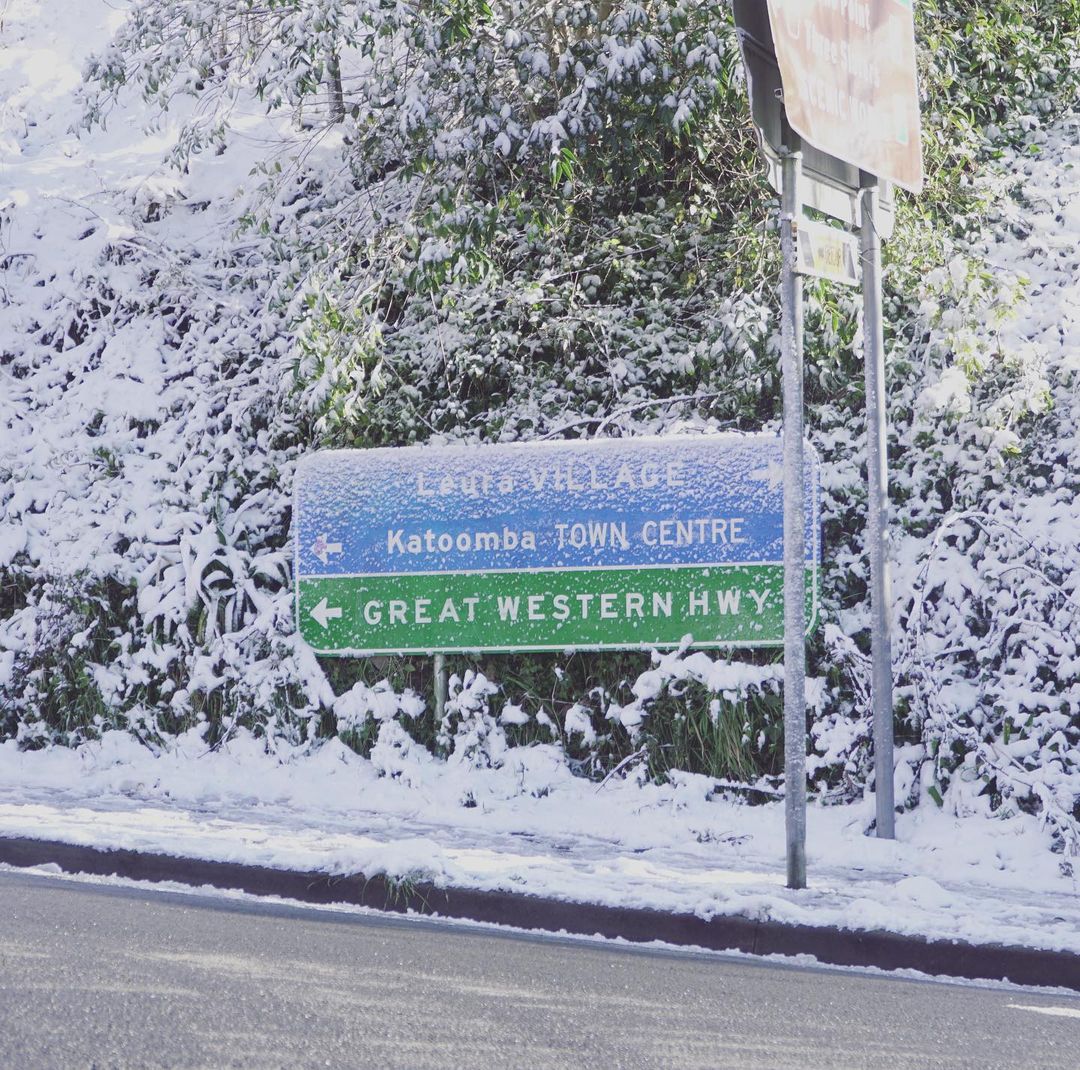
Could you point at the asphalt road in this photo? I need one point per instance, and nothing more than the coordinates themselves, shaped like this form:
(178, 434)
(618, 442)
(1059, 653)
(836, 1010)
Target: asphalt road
(102, 976)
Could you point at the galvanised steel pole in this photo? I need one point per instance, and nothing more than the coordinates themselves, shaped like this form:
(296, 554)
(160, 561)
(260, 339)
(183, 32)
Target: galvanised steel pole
(440, 686)
(877, 511)
(794, 533)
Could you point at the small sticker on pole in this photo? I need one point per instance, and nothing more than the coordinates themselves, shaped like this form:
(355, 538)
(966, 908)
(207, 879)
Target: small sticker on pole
(827, 253)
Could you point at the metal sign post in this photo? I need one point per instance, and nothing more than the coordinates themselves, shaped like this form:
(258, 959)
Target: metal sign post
(877, 512)
(440, 683)
(842, 76)
(794, 533)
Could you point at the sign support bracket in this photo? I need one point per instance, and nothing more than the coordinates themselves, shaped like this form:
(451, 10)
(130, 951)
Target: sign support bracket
(794, 523)
(877, 511)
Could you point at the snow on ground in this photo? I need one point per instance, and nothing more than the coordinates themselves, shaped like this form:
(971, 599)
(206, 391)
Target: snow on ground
(532, 827)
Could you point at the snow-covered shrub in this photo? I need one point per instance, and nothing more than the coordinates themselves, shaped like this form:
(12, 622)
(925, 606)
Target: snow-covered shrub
(469, 733)
(991, 617)
(360, 712)
(145, 454)
(59, 651)
(699, 714)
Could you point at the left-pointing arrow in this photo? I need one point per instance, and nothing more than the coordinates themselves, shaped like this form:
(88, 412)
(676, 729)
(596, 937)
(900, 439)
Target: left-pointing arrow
(322, 548)
(324, 614)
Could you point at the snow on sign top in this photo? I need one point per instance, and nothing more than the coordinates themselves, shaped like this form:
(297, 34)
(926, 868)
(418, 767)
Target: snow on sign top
(850, 88)
(546, 546)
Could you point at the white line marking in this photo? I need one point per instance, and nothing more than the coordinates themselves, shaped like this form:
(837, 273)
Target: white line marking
(544, 568)
(1055, 1012)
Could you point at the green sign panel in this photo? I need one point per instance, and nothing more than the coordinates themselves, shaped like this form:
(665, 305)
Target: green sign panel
(594, 545)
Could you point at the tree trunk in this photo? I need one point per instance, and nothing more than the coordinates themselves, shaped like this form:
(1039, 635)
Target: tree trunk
(334, 89)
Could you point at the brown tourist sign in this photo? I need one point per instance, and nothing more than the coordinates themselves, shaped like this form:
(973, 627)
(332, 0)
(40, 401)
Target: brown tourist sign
(848, 73)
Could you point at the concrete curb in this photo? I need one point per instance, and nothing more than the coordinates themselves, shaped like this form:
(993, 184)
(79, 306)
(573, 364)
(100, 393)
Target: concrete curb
(836, 947)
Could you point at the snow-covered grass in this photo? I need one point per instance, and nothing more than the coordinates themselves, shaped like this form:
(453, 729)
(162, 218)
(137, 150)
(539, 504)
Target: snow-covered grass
(533, 827)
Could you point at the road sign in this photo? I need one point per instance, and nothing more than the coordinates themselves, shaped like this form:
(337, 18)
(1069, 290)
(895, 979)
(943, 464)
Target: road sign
(828, 253)
(611, 544)
(849, 82)
(828, 185)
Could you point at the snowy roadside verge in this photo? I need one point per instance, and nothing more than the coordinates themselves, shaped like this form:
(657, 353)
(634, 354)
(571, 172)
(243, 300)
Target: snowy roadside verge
(803, 945)
(531, 829)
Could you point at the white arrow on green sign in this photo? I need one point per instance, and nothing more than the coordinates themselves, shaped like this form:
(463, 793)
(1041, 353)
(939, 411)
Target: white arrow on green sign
(601, 545)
